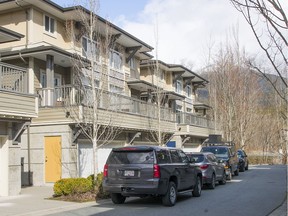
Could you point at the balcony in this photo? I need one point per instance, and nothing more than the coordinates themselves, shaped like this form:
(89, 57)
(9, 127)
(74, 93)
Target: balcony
(130, 113)
(16, 102)
(189, 123)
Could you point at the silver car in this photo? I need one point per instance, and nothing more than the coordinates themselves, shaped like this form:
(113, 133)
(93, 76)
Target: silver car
(213, 169)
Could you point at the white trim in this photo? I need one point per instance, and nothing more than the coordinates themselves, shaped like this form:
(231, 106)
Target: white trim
(44, 26)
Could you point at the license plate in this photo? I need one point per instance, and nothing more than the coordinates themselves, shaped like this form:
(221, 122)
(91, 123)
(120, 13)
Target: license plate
(129, 173)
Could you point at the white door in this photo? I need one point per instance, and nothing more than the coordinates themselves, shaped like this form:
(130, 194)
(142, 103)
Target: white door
(85, 159)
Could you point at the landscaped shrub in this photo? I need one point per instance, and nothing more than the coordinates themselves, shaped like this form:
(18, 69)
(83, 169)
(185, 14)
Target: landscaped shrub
(70, 186)
(100, 193)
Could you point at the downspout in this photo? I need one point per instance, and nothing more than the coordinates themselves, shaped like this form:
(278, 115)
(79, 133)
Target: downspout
(29, 157)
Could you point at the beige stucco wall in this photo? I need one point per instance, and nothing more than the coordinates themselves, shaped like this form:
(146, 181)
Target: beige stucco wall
(15, 21)
(37, 149)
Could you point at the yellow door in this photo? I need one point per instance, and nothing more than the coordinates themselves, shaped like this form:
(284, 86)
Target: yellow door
(52, 158)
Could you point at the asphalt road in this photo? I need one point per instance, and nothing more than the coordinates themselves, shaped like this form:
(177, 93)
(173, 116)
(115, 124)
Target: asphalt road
(256, 192)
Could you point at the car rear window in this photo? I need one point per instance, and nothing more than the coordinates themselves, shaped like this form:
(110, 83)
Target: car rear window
(197, 158)
(218, 151)
(126, 157)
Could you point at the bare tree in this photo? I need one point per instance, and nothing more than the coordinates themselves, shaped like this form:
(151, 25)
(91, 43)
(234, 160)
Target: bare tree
(234, 92)
(269, 24)
(92, 108)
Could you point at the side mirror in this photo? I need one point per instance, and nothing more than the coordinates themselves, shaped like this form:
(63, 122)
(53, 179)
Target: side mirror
(192, 160)
(220, 161)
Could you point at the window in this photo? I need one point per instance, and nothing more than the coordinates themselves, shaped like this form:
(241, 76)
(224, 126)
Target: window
(131, 158)
(115, 60)
(163, 156)
(162, 74)
(175, 157)
(116, 89)
(43, 79)
(50, 24)
(90, 49)
(188, 91)
(132, 63)
(188, 110)
(178, 86)
(183, 156)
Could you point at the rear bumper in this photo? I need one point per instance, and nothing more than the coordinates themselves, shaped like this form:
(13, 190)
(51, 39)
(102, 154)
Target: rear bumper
(154, 187)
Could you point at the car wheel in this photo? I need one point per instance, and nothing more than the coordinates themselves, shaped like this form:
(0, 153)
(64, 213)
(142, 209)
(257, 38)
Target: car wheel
(117, 198)
(242, 168)
(229, 176)
(246, 168)
(236, 172)
(212, 185)
(223, 181)
(198, 187)
(169, 199)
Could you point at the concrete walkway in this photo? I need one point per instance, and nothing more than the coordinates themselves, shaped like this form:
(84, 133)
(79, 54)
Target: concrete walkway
(33, 201)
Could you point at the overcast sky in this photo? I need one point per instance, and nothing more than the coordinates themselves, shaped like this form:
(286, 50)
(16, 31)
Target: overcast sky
(185, 28)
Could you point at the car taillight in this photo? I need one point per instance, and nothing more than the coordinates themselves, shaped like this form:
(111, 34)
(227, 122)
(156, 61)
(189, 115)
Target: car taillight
(156, 171)
(105, 172)
(204, 166)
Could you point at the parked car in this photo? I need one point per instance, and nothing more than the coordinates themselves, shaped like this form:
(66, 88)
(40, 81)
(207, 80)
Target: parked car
(243, 160)
(141, 171)
(212, 168)
(227, 154)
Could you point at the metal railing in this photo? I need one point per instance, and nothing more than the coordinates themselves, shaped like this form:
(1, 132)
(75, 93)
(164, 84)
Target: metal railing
(192, 119)
(13, 78)
(72, 95)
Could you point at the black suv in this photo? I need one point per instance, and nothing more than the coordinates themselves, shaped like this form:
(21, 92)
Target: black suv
(226, 152)
(243, 160)
(141, 171)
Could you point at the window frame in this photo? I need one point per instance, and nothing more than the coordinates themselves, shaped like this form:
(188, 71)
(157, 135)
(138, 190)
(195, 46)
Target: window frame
(89, 53)
(49, 30)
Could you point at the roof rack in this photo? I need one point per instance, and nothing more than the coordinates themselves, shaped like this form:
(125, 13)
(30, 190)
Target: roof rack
(219, 144)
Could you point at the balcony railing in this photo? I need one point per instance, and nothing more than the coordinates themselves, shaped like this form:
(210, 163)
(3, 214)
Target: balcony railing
(71, 95)
(13, 78)
(194, 120)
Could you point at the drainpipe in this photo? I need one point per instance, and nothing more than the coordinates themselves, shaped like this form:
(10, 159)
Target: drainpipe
(29, 161)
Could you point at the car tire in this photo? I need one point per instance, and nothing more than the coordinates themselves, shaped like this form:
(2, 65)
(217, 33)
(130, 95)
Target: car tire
(242, 168)
(246, 168)
(169, 199)
(212, 185)
(229, 176)
(117, 198)
(236, 172)
(198, 187)
(223, 181)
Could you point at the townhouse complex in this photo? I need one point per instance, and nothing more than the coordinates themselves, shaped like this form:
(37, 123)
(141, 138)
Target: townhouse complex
(46, 95)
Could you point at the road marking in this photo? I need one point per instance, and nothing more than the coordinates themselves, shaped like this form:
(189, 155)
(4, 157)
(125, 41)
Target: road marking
(235, 180)
(260, 168)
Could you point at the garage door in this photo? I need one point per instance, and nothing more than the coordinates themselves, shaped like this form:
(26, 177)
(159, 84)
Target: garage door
(85, 159)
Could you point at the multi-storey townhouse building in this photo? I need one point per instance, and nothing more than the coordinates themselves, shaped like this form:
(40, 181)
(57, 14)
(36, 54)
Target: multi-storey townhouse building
(178, 86)
(18, 105)
(53, 45)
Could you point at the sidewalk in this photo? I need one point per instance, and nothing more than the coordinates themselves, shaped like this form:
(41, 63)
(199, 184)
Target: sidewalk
(281, 210)
(33, 201)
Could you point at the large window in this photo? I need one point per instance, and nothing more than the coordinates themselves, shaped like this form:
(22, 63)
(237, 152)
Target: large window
(132, 64)
(116, 60)
(178, 86)
(188, 91)
(50, 24)
(90, 49)
(116, 89)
